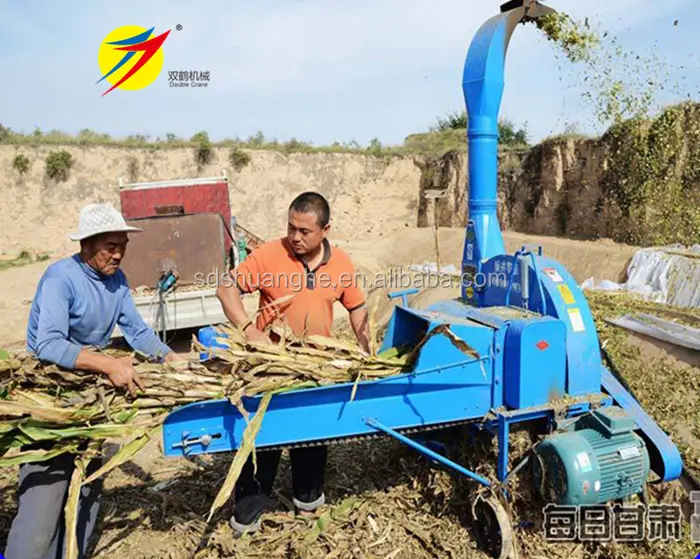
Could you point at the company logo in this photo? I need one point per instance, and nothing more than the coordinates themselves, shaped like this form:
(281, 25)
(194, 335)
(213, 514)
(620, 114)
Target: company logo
(130, 57)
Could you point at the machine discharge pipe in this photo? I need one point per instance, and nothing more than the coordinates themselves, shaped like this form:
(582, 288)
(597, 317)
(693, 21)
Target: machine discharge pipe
(482, 86)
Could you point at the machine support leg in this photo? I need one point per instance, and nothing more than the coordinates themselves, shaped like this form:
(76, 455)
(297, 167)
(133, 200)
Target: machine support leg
(427, 452)
(503, 432)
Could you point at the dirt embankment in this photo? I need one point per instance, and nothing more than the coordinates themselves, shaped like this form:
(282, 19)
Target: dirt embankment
(639, 183)
(368, 195)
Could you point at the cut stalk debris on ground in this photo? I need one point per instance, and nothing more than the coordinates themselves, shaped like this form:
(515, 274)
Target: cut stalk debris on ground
(44, 404)
(383, 499)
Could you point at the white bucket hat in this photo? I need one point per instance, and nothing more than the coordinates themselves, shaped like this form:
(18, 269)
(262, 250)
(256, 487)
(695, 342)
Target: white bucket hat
(100, 218)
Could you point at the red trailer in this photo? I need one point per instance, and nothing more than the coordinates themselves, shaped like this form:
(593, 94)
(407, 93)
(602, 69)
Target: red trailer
(187, 225)
(188, 228)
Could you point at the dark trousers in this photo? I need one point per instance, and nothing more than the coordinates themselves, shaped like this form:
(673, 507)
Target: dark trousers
(38, 530)
(252, 490)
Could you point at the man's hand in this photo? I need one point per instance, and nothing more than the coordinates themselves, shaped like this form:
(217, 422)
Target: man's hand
(122, 374)
(252, 334)
(120, 371)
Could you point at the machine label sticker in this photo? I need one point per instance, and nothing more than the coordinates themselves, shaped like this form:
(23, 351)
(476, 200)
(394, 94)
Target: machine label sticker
(470, 251)
(576, 320)
(566, 294)
(629, 452)
(584, 462)
(470, 292)
(552, 273)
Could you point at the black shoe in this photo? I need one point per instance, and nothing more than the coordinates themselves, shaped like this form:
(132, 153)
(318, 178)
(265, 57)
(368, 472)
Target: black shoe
(246, 516)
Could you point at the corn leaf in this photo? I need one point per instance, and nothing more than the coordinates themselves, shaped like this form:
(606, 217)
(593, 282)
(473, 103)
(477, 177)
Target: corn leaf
(29, 456)
(71, 507)
(247, 446)
(124, 454)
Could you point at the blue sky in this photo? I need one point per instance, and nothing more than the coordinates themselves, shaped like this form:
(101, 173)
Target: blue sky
(317, 70)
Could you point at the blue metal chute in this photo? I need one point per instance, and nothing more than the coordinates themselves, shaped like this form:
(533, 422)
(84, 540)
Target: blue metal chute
(482, 84)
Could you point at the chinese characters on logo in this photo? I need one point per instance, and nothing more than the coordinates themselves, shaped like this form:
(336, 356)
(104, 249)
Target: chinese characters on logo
(621, 523)
(695, 517)
(189, 78)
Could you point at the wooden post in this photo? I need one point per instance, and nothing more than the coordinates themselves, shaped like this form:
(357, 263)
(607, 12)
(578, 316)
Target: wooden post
(435, 196)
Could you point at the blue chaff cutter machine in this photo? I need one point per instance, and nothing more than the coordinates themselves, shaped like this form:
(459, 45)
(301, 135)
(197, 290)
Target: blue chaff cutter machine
(536, 358)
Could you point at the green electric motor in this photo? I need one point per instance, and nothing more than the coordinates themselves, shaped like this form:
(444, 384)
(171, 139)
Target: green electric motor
(599, 459)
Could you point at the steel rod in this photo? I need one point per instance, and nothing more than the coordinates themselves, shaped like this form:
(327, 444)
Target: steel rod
(424, 450)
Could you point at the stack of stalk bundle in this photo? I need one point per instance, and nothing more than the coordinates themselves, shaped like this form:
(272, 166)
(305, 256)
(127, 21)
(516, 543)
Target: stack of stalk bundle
(77, 411)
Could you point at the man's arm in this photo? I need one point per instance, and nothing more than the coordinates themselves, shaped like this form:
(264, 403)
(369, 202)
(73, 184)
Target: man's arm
(353, 299)
(137, 333)
(359, 319)
(53, 344)
(242, 280)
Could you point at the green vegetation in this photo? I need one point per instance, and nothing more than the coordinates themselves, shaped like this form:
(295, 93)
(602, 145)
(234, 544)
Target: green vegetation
(508, 134)
(653, 176)
(450, 134)
(132, 169)
(617, 83)
(21, 164)
(58, 165)
(666, 388)
(22, 259)
(203, 153)
(436, 144)
(238, 158)
(201, 143)
(573, 37)
(374, 147)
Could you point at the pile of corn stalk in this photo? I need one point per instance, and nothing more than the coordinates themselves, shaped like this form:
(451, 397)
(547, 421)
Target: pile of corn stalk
(78, 411)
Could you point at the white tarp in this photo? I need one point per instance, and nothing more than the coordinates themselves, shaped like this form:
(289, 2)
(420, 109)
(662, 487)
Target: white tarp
(666, 330)
(669, 274)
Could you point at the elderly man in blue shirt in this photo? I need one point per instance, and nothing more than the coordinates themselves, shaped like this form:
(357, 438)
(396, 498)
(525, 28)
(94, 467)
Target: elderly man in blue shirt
(78, 303)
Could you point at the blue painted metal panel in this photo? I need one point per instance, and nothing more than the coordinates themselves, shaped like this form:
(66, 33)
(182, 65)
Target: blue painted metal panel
(529, 375)
(456, 393)
(553, 290)
(535, 362)
(445, 385)
(665, 458)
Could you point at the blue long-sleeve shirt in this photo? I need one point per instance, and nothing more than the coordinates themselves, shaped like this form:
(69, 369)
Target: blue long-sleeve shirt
(76, 306)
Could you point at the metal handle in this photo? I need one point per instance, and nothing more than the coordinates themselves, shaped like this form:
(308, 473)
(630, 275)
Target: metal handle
(204, 440)
(404, 294)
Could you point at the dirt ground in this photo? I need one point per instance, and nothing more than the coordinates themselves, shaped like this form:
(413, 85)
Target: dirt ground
(397, 504)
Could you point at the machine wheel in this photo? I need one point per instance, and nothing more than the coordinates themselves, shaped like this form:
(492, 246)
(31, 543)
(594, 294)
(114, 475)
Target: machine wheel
(494, 531)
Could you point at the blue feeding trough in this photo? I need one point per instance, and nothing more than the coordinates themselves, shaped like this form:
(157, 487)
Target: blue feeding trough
(517, 347)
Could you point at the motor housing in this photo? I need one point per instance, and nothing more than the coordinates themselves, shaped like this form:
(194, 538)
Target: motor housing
(598, 459)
